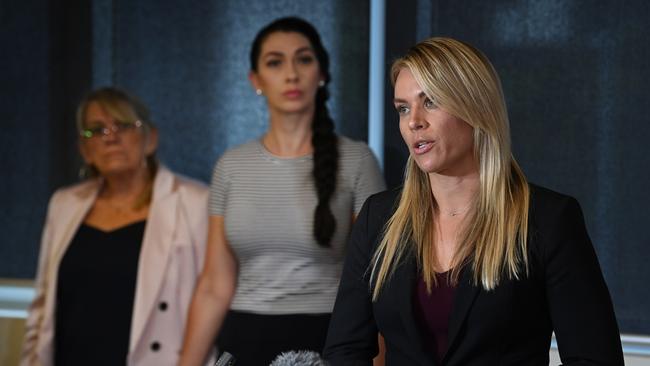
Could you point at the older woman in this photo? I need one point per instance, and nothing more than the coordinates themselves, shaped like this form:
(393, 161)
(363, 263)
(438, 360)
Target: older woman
(468, 264)
(120, 251)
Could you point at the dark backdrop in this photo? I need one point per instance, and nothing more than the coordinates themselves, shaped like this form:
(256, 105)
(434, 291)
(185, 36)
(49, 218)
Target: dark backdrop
(574, 73)
(576, 79)
(188, 61)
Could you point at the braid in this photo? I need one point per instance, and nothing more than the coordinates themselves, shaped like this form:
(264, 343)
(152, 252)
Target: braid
(323, 140)
(326, 158)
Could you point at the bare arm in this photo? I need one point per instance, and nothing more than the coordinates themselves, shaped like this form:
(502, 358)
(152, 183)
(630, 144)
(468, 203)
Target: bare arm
(212, 296)
(380, 359)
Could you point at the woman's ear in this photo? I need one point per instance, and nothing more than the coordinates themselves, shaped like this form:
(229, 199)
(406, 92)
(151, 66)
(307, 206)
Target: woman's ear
(85, 154)
(255, 82)
(151, 141)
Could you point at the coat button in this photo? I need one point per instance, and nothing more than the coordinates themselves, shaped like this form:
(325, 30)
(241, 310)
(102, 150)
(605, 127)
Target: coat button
(155, 346)
(162, 306)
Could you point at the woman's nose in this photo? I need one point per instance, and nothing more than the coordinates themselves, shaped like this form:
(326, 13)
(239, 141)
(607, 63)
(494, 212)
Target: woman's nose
(416, 121)
(292, 72)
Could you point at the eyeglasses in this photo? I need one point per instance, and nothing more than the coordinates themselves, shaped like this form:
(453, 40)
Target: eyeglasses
(119, 127)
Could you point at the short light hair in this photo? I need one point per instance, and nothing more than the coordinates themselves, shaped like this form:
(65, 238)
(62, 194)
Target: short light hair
(124, 107)
(117, 103)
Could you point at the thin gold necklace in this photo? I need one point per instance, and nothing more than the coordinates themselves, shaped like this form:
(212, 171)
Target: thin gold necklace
(455, 213)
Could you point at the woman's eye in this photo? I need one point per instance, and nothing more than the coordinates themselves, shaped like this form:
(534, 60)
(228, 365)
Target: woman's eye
(123, 126)
(402, 109)
(429, 104)
(305, 60)
(96, 130)
(273, 63)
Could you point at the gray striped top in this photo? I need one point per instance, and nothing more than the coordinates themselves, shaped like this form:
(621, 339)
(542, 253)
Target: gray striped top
(268, 207)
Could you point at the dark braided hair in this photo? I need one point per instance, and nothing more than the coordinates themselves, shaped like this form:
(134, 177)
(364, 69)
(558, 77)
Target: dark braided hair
(324, 140)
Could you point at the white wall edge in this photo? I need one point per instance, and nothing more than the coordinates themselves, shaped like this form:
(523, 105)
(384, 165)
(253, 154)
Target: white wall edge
(15, 300)
(633, 344)
(376, 79)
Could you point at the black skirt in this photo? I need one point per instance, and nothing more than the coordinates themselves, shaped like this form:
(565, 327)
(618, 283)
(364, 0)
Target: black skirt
(255, 339)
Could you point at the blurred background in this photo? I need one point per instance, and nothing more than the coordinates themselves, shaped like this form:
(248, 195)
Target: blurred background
(575, 74)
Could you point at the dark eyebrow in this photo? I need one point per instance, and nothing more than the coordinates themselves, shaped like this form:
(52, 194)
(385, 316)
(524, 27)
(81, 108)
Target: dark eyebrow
(421, 95)
(280, 54)
(94, 122)
(273, 53)
(303, 49)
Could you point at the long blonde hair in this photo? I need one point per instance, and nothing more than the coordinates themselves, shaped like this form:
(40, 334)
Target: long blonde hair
(461, 80)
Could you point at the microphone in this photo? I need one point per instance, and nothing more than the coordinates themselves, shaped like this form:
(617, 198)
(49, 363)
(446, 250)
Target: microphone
(299, 358)
(226, 359)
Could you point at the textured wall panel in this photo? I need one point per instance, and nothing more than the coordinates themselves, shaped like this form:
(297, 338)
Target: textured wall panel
(576, 77)
(187, 60)
(190, 64)
(25, 143)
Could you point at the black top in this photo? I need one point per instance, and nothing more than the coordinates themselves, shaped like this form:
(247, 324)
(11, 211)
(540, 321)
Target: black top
(95, 292)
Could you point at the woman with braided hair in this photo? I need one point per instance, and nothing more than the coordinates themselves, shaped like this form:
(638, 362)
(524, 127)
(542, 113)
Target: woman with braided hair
(281, 209)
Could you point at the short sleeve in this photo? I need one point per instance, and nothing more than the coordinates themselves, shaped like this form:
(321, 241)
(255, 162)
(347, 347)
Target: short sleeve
(369, 179)
(219, 186)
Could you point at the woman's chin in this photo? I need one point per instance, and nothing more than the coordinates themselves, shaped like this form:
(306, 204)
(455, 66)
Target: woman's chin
(116, 170)
(428, 167)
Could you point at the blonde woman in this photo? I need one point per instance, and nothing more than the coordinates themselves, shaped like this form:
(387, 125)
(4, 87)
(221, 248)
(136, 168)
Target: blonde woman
(121, 250)
(468, 264)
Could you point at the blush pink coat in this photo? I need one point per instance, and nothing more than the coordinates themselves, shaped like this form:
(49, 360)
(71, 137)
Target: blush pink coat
(171, 258)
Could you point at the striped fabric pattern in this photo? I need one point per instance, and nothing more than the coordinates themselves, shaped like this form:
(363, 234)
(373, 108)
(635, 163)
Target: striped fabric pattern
(268, 206)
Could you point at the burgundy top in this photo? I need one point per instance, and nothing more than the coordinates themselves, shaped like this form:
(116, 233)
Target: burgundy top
(432, 313)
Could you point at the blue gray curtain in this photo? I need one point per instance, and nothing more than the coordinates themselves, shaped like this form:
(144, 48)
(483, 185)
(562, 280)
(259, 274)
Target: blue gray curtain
(188, 61)
(575, 75)
(576, 79)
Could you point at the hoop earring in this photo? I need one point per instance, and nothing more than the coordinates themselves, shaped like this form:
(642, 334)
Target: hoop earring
(258, 91)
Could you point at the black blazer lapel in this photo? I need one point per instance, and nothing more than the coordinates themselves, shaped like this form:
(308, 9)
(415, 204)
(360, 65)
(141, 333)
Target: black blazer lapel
(404, 281)
(405, 278)
(466, 294)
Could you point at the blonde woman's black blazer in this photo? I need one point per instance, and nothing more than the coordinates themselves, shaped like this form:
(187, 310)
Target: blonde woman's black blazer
(564, 293)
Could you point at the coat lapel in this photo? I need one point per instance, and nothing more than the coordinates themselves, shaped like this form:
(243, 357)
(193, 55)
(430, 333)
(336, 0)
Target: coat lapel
(405, 278)
(76, 210)
(155, 251)
(466, 294)
(70, 213)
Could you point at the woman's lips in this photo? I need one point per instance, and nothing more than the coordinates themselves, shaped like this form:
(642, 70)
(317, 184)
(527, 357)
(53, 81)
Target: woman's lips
(422, 147)
(293, 94)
